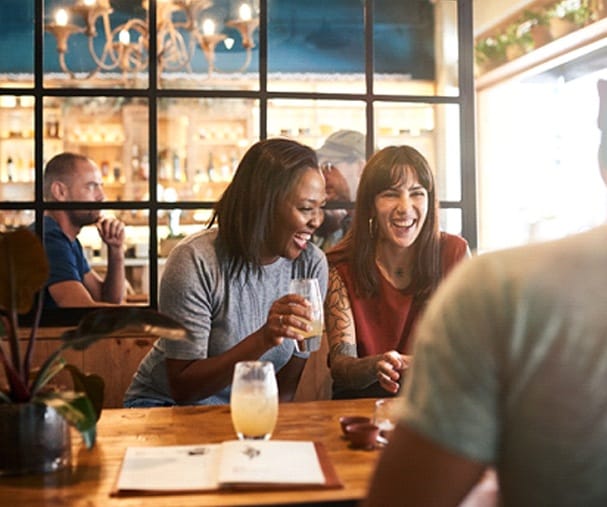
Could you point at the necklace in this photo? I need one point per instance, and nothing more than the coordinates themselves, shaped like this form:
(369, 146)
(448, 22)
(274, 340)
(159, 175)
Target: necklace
(399, 272)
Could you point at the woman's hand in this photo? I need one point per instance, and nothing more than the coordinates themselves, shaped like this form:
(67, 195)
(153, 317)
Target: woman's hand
(288, 317)
(390, 367)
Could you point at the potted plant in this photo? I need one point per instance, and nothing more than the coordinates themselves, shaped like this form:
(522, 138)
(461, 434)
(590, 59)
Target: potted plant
(567, 16)
(517, 41)
(537, 24)
(34, 415)
(490, 52)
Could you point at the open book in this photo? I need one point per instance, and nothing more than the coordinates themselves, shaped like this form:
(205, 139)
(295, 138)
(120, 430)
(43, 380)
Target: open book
(232, 464)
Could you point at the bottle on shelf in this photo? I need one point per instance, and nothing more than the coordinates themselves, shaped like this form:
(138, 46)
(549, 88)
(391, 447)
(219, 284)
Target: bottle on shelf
(163, 166)
(135, 161)
(177, 173)
(211, 168)
(10, 169)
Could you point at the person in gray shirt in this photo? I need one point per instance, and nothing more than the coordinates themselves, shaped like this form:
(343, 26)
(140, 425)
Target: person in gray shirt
(228, 285)
(510, 371)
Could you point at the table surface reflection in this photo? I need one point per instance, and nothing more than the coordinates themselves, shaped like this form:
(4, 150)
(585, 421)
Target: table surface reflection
(93, 472)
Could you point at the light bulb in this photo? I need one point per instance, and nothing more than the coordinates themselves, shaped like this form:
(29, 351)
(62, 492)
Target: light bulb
(61, 17)
(124, 37)
(208, 27)
(245, 12)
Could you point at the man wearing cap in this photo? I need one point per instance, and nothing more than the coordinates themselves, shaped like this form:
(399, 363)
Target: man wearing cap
(342, 158)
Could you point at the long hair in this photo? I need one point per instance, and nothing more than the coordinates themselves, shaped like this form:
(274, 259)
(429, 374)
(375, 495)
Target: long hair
(387, 168)
(246, 211)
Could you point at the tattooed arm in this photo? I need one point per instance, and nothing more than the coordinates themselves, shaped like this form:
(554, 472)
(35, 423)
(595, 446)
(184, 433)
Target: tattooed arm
(347, 369)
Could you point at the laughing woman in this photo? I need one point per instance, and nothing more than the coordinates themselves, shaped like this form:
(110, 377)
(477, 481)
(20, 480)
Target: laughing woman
(228, 284)
(383, 272)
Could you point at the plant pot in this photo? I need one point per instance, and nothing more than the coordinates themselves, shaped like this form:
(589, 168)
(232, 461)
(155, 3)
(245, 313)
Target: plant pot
(514, 51)
(540, 34)
(600, 9)
(34, 439)
(560, 27)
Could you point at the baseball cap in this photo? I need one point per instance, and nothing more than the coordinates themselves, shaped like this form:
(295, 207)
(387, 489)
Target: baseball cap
(343, 145)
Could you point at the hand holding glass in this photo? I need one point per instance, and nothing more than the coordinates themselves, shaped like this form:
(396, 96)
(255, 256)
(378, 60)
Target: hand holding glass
(254, 400)
(310, 289)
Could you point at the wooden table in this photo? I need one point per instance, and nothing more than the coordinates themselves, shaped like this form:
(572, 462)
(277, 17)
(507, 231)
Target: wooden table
(93, 473)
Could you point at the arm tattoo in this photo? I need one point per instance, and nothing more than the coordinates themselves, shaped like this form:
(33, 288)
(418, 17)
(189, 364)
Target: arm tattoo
(347, 369)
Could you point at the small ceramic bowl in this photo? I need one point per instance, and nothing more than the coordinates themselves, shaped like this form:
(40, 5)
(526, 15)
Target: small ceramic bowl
(345, 420)
(362, 435)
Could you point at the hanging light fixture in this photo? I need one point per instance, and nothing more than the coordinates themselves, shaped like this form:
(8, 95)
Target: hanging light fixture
(125, 47)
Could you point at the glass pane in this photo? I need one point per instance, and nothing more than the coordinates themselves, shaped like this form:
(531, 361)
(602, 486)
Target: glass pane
(176, 224)
(415, 47)
(135, 247)
(432, 129)
(93, 43)
(451, 220)
(210, 44)
(312, 121)
(315, 45)
(11, 219)
(17, 166)
(200, 142)
(17, 41)
(111, 131)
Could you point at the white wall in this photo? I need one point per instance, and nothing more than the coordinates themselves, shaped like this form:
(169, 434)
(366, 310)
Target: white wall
(489, 12)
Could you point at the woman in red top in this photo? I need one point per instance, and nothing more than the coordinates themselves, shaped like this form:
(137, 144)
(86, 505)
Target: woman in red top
(383, 272)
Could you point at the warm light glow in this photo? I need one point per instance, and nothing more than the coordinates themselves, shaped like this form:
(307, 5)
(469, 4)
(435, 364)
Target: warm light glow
(124, 37)
(61, 17)
(245, 12)
(228, 43)
(90, 3)
(208, 27)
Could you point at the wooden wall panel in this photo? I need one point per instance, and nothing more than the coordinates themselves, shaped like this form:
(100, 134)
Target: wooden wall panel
(116, 360)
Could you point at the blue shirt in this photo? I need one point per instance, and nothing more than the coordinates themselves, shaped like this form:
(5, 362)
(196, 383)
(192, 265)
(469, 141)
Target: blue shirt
(66, 259)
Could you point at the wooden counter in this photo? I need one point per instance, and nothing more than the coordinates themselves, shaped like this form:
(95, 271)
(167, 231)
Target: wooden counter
(94, 472)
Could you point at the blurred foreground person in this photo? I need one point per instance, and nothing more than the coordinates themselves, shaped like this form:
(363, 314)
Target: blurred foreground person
(510, 371)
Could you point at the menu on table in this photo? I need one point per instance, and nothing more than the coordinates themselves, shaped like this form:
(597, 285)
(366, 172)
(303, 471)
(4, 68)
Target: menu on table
(231, 464)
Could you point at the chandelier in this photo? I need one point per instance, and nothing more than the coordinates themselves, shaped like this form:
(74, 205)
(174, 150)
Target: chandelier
(181, 27)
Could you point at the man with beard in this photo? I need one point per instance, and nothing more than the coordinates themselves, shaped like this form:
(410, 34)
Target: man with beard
(341, 158)
(70, 177)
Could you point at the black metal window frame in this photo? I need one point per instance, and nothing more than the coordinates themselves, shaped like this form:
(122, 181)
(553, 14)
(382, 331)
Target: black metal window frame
(465, 101)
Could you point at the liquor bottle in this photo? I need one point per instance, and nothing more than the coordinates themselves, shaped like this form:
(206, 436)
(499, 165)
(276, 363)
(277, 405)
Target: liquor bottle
(211, 168)
(176, 167)
(135, 162)
(10, 169)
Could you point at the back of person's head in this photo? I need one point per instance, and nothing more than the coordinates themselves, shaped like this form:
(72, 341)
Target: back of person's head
(60, 168)
(389, 167)
(343, 145)
(265, 176)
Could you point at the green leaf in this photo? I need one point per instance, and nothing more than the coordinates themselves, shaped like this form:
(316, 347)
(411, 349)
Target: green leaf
(106, 322)
(92, 385)
(23, 267)
(51, 367)
(77, 410)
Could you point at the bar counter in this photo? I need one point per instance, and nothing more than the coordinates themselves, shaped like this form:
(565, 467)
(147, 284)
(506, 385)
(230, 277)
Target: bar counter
(93, 473)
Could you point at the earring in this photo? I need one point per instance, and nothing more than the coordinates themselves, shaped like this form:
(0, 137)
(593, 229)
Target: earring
(371, 227)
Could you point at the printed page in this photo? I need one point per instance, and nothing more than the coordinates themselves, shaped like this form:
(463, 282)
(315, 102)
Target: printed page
(170, 468)
(269, 462)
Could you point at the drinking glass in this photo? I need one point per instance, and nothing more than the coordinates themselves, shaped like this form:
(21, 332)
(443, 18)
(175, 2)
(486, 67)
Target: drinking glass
(384, 416)
(254, 400)
(310, 289)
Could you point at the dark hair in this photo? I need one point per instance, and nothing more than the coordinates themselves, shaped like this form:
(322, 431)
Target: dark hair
(388, 167)
(60, 168)
(246, 211)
